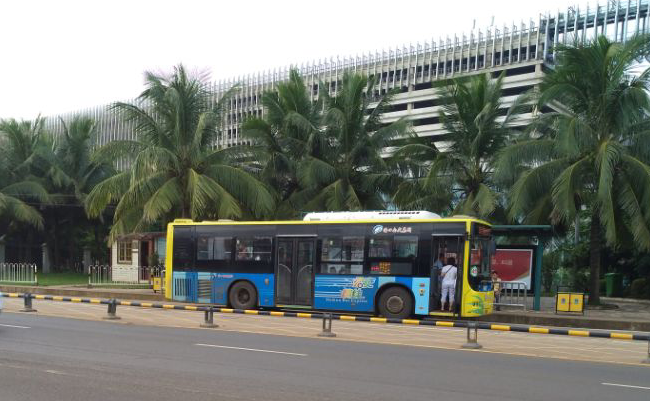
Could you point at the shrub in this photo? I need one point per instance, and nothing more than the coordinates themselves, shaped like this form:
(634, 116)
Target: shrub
(580, 279)
(640, 288)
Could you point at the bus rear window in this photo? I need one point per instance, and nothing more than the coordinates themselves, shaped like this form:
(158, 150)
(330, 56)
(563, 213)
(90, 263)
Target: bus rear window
(183, 248)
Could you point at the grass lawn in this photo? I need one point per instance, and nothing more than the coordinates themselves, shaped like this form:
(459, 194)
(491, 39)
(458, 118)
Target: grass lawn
(45, 279)
(70, 278)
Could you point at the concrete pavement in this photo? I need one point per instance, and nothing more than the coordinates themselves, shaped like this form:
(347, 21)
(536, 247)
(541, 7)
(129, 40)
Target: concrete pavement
(522, 344)
(82, 291)
(57, 358)
(628, 315)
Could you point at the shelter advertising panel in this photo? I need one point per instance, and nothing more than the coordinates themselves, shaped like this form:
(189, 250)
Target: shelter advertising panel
(513, 265)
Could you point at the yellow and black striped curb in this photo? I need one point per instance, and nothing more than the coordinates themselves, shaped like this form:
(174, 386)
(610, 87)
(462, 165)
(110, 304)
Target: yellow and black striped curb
(320, 315)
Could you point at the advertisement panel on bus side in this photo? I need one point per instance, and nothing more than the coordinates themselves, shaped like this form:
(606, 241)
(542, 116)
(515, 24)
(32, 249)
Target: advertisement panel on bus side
(357, 293)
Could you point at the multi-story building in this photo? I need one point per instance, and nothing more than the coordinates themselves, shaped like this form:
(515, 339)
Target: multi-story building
(522, 52)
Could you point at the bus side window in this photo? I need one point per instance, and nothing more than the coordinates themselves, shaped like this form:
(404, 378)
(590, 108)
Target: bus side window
(342, 255)
(256, 249)
(393, 254)
(213, 248)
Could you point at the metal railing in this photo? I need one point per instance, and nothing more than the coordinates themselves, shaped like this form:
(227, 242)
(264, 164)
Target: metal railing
(137, 276)
(510, 294)
(19, 273)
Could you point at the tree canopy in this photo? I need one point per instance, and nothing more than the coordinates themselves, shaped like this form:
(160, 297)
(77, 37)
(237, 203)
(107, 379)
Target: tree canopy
(175, 170)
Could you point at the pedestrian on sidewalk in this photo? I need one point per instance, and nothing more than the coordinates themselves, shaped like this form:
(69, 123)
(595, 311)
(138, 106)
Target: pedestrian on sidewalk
(496, 287)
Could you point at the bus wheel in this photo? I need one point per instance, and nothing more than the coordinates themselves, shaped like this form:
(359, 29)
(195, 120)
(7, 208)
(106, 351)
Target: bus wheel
(242, 295)
(395, 303)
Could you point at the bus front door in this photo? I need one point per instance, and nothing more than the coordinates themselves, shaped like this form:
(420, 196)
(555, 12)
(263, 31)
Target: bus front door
(294, 270)
(443, 248)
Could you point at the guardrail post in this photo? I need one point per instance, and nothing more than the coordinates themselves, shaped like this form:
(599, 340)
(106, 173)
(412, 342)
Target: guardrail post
(28, 303)
(208, 321)
(472, 336)
(327, 326)
(647, 360)
(112, 310)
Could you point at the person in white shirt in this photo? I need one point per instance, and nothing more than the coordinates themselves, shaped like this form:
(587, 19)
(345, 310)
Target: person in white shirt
(448, 274)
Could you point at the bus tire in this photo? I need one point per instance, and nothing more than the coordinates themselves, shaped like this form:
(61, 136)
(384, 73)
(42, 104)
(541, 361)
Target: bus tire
(242, 295)
(395, 303)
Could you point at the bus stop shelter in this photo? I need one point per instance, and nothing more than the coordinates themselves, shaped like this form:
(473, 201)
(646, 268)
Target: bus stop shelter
(538, 233)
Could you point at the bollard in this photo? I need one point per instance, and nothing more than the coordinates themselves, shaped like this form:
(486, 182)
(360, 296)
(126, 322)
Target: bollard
(647, 360)
(472, 336)
(28, 303)
(327, 326)
(208, 321)
(112, 310)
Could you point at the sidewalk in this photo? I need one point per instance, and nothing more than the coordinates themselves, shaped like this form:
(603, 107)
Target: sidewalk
(633, 315)
(629, 315)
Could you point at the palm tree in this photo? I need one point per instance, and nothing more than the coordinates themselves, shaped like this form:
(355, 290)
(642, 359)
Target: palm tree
(21, 143)
(349, 173)
(288, 132)
(458, 176)
(593, 153)
(71, 168)
(175, 171)
(71, 175)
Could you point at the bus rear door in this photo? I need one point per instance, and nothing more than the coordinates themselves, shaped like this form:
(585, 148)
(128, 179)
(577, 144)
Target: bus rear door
(294, 270)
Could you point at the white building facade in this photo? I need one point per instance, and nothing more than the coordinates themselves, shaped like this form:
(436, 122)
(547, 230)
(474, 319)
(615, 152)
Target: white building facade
(521, 51)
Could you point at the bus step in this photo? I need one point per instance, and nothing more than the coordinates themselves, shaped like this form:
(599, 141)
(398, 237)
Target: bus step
(442, 314)
(294, 306)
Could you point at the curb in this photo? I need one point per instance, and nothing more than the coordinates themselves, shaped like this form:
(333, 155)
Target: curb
(440, 323)
(567, 321)
(627, 300)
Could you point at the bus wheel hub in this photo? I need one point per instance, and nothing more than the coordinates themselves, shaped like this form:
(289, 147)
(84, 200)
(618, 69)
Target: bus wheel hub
(243, 296)
(395, 304)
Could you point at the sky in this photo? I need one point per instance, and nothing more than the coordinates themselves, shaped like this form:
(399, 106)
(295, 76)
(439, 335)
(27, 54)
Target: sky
(62, 56)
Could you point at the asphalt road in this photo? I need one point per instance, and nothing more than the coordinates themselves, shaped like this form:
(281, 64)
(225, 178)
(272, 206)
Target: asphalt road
(53, 358)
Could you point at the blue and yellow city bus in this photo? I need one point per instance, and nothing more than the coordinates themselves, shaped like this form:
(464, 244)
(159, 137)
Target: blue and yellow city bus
(359, 262)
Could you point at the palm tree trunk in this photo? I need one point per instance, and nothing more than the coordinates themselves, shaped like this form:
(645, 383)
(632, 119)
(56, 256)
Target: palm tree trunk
(55, 238)
(594, 259)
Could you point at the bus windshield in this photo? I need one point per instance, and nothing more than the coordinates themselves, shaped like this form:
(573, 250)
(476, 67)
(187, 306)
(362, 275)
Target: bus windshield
(480, 265)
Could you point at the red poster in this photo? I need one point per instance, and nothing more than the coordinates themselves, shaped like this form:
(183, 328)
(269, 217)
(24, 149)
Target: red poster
(513, 264)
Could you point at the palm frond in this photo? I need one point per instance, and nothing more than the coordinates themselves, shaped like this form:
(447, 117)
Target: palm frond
(567, 187)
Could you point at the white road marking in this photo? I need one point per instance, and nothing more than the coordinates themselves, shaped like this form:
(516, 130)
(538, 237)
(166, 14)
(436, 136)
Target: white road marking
(250, 349)
(54, 372)
(625, 385)
(15, 327)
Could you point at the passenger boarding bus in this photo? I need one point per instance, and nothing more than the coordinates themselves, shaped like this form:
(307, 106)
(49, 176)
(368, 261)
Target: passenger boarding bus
(350, 262)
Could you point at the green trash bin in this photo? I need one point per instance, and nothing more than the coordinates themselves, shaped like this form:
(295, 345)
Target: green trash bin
(613, 284)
